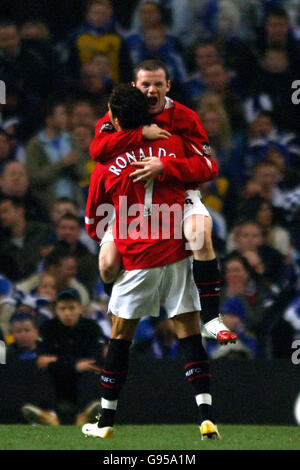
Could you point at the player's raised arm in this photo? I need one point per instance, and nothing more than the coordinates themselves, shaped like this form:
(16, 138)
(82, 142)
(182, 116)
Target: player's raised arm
(107, 141)
(190, 170)
(186, 169)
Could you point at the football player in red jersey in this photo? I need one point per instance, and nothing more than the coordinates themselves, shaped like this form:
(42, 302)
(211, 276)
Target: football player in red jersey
(169, 116)
(157, 268)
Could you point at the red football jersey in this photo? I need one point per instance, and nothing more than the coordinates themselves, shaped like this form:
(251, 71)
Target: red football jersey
(176, 118)
(148, 229)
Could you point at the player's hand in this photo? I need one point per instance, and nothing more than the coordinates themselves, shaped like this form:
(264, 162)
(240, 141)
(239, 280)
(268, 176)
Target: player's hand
(154, 132)
(87, 365)
(44, 361)
(148, 168)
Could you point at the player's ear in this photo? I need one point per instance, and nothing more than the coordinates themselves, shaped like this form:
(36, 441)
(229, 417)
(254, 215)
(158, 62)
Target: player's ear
(133, 84)
(168, 85)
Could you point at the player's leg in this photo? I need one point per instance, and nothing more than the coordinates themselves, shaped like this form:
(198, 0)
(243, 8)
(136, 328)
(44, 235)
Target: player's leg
(180, 298)
(109, 262)
(131, 292)
(113, 376)
(197, 370)
(197, 227)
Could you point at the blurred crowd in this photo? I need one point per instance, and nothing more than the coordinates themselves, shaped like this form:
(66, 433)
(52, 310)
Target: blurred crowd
(236, 63)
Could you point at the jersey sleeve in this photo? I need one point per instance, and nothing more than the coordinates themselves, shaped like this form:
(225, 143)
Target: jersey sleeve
(188, 125)
(97, 196)
(189, 166)
(190, 169)
(107, 142)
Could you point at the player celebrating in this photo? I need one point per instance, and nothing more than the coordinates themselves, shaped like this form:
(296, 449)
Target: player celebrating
(151, 77)
(157, 269)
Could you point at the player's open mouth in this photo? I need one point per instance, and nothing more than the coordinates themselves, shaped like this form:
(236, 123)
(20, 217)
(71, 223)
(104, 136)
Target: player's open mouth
(152, 101)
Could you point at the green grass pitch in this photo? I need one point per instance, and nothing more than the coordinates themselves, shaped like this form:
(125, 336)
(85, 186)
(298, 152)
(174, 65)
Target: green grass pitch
(150, 437)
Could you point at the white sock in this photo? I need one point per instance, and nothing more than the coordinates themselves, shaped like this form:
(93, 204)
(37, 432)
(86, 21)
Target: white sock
(109, 404)
(204, 398)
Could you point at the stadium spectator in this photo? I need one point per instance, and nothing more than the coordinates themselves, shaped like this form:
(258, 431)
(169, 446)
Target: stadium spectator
(99, 34)
(240, 282)
(53, 160)
(150, 14)
(82, 113)
(267, 176)
(11, 127)
(213, 195)
(222, 20)
(181, 16)
(14, 182)
(292, 316)
(275, 78)
(18, 236)
(162, 343)
(73, 364)
(21, 381)
(274, 235)
(226, 147)
(67, 232)
(264, 136)
(203, 54)
(276, 31)
(101, 61)
(27, 71)
(155, 45)
(85, 135)
(7, 305)
(152, 39)
(217, 79)
(62, 206)
(5, 149)
(92, 86)
(46, 294)
(64, 266)
(34, 29)
(248, 235)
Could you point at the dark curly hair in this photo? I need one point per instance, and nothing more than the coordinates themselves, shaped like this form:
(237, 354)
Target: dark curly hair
(130, 106)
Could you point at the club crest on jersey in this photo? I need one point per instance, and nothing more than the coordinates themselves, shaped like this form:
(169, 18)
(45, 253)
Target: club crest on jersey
(107, 127)
(207, 149)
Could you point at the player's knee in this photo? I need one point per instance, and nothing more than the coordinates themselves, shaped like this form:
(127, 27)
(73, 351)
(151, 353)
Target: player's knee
(123, 329)
(108, 271)
(108, 276)
(197, 232)
(109, 264)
